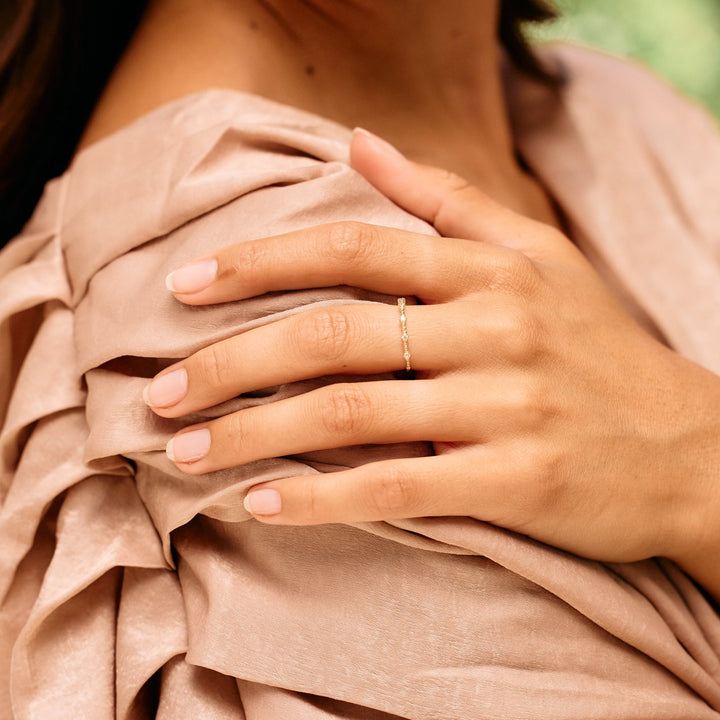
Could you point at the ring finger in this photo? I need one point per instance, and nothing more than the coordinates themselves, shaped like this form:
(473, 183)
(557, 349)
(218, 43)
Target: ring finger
(334, 416)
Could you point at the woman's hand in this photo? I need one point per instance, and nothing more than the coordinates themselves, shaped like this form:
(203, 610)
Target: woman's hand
(552, 412)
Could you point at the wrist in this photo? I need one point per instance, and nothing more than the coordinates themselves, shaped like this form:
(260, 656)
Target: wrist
(694, 543)
(704, 567)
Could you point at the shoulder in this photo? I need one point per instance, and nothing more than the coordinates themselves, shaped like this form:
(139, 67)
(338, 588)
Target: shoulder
(635, 95)
(214, 167)
(620, 112)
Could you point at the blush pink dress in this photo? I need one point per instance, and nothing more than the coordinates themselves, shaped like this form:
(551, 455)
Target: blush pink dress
(130, 590)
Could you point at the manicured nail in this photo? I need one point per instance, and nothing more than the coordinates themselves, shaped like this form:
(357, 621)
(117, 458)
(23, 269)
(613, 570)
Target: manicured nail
(379, 143)
(263, 502)
(192, 278)
(166, 390)
(189, 446)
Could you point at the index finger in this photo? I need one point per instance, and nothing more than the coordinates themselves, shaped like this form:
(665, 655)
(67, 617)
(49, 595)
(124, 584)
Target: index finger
(380, 259)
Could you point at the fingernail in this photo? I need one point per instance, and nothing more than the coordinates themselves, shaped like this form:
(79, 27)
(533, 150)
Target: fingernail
(263, 502)
(166, 390)
(189, 446)
(192, 278)
(380, 144)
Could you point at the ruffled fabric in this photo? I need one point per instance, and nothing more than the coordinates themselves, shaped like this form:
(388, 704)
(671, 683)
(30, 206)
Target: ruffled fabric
(130, 590)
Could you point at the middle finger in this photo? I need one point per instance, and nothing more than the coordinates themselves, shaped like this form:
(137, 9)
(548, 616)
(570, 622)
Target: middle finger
(342, 339)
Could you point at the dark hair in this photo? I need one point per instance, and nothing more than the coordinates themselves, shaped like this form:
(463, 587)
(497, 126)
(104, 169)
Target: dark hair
(57, 55)
(514, 14)
(55, 58)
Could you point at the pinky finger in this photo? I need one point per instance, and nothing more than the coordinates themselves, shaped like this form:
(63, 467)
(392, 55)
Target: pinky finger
(387, 490)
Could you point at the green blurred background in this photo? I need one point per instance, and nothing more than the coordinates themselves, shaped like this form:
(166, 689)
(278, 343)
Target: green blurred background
(680, 38)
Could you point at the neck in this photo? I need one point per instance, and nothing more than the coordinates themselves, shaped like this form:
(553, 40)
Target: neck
(406, 69)
(422, 74)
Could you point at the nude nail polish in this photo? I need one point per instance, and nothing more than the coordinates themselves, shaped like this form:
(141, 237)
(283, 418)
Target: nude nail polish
(379, 143)
(192, 278)
(189, 446)
(167, 390)
(263, 502)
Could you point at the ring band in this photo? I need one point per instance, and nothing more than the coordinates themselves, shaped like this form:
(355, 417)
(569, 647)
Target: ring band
(404, 333)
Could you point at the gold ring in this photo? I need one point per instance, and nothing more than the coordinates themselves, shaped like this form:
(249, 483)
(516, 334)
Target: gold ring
(404, 333)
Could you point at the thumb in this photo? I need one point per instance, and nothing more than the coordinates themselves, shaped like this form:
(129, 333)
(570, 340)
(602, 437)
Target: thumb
(450, 203)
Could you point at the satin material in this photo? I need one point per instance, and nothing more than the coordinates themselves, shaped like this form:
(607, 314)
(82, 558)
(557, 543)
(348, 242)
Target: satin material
(130, 590)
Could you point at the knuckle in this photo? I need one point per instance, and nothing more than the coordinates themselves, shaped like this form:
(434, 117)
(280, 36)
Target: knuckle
(214, 365)
(345, 410)
(311, 496)
(326, 335)
(234, 436)
(542, 479)
(514, 272)
(453, 182)
(251, 260)
(349, 242)
(455, 188)
(519, 334)
(526, 405)
(391, 493)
